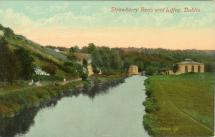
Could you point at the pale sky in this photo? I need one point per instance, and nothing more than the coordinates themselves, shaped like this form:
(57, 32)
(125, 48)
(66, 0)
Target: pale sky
(70, 23)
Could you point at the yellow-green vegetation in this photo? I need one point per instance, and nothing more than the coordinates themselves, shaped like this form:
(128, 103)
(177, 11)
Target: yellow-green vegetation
(20, 96)
(14, 101)
(180, 105)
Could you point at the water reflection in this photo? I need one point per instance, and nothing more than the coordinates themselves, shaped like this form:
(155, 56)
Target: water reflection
(21, 123)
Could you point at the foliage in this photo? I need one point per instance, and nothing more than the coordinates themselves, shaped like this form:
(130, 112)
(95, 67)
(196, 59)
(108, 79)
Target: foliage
(27, 67)
(175, 68)
(89, 49)
(84, 76)
(149, 121)
(150, 105)
(150, 70)
(14, 102)
(73, 68)
(154, 60)
(106, 59)
(74, 49)
(10, 66)
(50, 68)
(85, 63)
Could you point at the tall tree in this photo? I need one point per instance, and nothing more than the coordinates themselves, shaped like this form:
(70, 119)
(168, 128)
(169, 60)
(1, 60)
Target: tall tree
(26, 63)
(9, 63)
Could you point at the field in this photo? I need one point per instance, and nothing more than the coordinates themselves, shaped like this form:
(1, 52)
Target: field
(184, 105)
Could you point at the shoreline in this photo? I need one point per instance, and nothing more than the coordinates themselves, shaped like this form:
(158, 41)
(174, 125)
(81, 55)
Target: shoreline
(44, 96)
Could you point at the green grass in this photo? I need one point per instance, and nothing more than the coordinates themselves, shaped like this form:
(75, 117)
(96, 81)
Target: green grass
(19, 96)
(14, 101)
(185, 105)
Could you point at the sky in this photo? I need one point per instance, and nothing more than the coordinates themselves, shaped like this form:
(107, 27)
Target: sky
(70, 23)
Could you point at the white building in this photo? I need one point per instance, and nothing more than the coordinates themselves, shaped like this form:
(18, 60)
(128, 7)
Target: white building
(57, 50)
(39, 71)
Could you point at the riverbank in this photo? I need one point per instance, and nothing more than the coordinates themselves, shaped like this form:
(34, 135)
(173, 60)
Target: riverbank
(15, 102)
(90, 113)
(180, 105)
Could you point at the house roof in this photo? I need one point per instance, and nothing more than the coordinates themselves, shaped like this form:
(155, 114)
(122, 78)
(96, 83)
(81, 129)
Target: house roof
(189, 61)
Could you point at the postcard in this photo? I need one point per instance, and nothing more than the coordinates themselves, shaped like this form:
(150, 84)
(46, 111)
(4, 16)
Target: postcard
(107, 68)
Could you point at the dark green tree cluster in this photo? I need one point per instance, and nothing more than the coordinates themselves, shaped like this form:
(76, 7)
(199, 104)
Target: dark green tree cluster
(76, 70)
(89, 49)
(106, 59)
(14, 64)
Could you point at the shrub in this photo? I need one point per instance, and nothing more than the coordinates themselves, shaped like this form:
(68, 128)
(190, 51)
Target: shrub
(150, 105)
(84, 76)
(151, 70)
(149, 123)
(51, 69)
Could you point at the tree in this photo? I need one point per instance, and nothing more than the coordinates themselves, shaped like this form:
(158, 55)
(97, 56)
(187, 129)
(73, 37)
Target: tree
(116, 62)
(26, 63)
(91, 47)
(150, 70)
(73, 68)
(10, 66)
(84, 76)
(74, 49)
(85, 63)
(8, 32)
(106, 59)
(175, 68)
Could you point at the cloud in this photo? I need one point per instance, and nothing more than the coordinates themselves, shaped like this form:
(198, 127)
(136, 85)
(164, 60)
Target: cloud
(16, 20)
(66, 15)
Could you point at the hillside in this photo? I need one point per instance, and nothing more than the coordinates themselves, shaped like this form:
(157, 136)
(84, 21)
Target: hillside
(41, 55)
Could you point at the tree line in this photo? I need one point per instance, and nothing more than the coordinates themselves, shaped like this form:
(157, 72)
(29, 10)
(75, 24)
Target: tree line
(152, 61)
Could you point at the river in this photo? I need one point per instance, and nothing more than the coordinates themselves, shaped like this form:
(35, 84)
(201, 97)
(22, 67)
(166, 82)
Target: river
(116, 113)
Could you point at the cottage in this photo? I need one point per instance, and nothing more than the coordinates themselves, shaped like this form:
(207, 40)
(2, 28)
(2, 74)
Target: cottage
(188, 65)
(133, 70)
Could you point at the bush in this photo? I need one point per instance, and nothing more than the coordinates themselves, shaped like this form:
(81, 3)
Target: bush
(84, 76)
(151, 70)
(149, 123)
(51, 69)
(150, 105)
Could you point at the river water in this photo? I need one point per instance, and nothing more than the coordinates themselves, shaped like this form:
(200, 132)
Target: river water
(117, 113)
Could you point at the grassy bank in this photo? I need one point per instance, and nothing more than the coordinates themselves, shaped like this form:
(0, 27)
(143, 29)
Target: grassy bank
(180, 105)
(18, 97)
